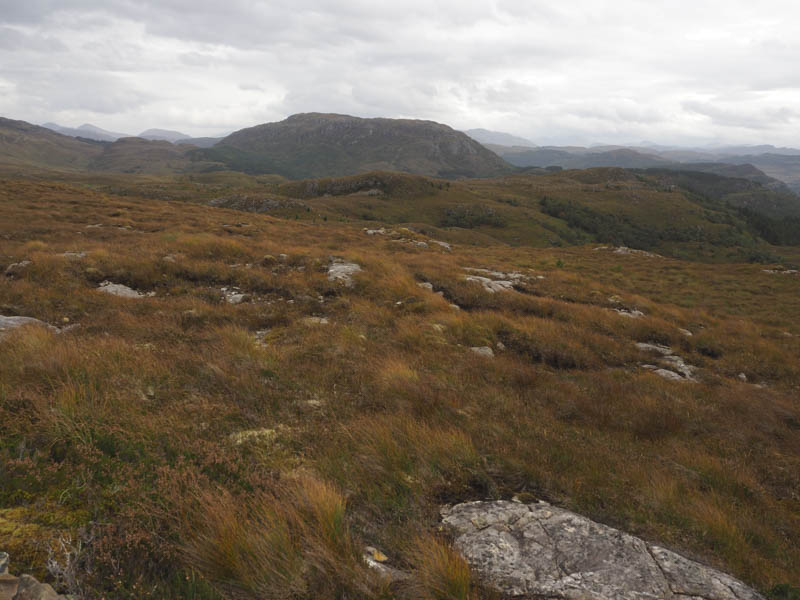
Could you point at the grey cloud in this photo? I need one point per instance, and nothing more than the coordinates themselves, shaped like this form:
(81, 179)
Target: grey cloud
(12, 39)
(580, 68)
(766, 118)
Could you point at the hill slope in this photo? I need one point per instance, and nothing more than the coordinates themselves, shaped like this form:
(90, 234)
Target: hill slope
(320, 145)
(215, 450)
(24, 144)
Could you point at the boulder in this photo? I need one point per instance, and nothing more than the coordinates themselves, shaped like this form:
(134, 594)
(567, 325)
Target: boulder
(540, 551)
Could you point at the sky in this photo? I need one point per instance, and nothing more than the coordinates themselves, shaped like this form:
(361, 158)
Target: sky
(679, 72)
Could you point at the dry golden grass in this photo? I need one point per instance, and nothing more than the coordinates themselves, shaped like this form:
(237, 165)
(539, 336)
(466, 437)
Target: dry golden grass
(366, 425)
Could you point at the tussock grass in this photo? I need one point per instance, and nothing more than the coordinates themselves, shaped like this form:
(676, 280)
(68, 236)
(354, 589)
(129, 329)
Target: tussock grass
(356, 431)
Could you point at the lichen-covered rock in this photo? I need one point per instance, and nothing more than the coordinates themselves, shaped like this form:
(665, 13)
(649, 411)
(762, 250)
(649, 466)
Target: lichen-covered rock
(342, 272)
(538, 550)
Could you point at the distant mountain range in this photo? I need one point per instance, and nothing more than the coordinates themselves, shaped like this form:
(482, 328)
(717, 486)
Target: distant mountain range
(782, 164)
(92, 132)
(316, 145)
(88, 131)
(484, 136)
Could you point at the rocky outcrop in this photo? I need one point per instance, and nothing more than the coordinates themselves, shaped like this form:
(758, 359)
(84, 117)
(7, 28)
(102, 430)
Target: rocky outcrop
(541, 551)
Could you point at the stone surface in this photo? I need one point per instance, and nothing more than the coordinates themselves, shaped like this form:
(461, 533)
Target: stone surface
(314, 321)
(16, 269)
(425, 285)
(3, 563)
(494, 281)
(8, 586)
(631, 313)
(540, 551)
(342, 272)
(9, 323)
(120, 290)
(672, 367)
(30, 589)
(492, 285)
(483, 351)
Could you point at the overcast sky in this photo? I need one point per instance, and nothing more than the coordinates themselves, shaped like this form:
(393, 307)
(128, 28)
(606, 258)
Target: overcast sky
(572, 71)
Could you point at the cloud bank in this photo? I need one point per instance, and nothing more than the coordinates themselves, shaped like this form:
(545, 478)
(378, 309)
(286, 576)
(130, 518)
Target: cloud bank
(579, 71)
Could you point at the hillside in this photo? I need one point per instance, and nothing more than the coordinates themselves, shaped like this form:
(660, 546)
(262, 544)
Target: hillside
(138, 155)
(24, 144)
(320, 145)
(275, 398)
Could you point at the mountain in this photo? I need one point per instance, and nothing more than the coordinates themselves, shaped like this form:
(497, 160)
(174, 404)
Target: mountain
(200, 142)
(138, 155)
(484, 136)
(319, 145)
(24, 144)
(88, 131)
(554, 156)
(784, 167)
(165, 135)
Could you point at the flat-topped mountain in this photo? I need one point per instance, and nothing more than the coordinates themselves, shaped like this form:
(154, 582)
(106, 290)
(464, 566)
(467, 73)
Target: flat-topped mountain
(319, 145)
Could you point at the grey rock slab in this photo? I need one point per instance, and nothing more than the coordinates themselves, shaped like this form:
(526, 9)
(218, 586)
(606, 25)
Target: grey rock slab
(120, 290)
(485, 351)
(3, 563)
(491, 285)
(689, 578)
(665, 350)
(538, 550)
(342, 272)
(9, 323)
(630, 313)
